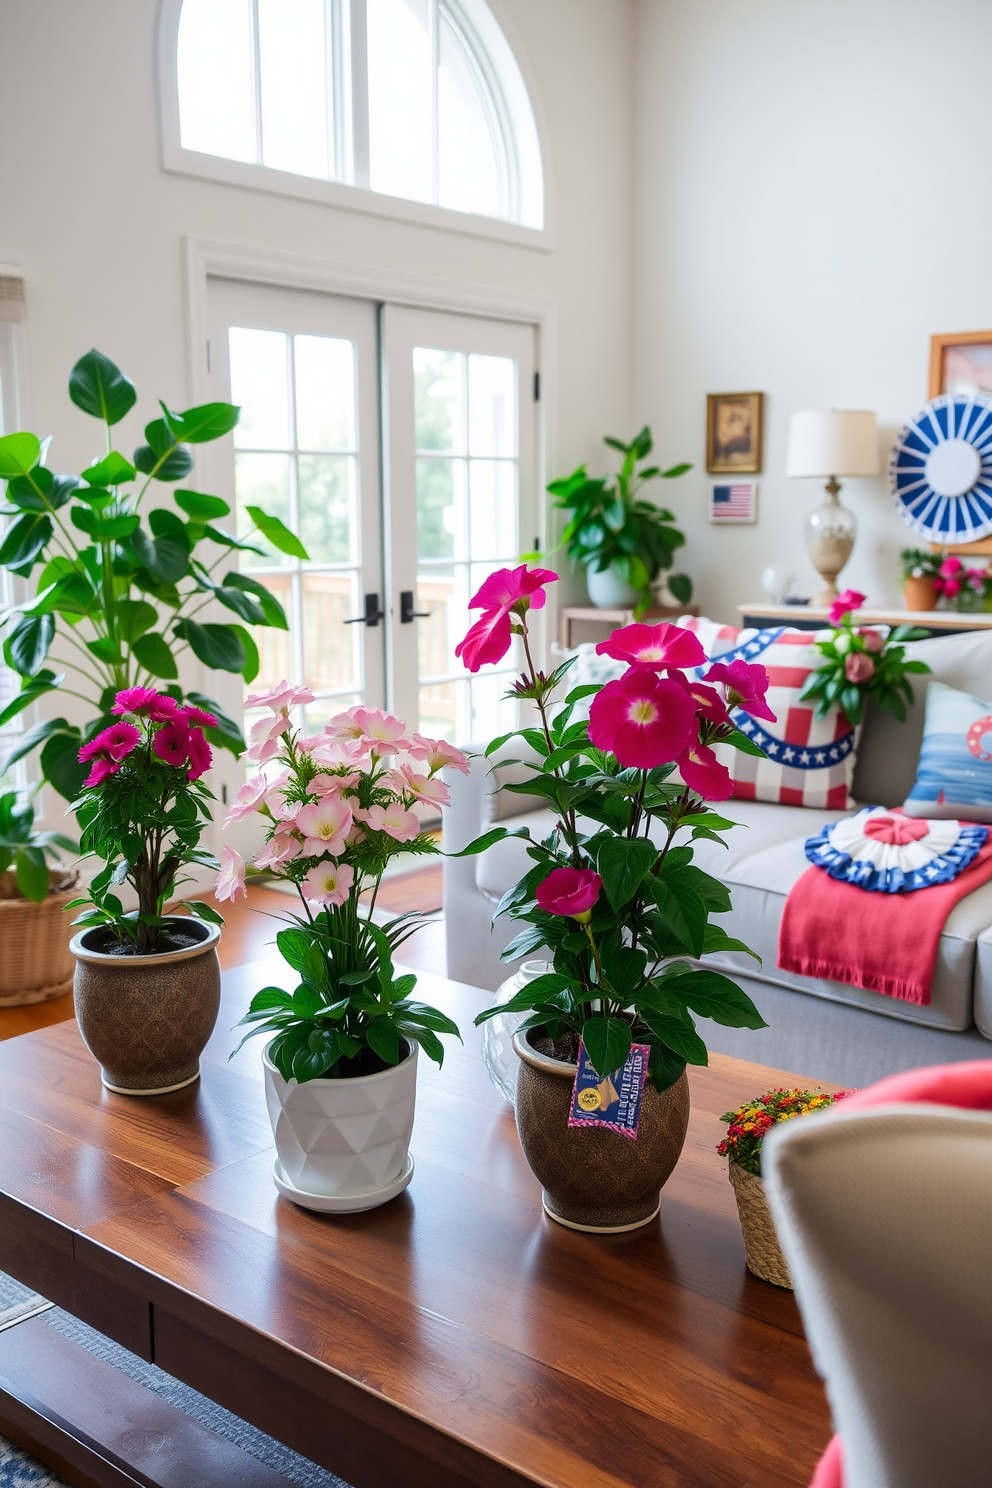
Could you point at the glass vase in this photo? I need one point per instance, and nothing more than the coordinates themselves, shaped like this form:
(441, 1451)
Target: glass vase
(501, 1062)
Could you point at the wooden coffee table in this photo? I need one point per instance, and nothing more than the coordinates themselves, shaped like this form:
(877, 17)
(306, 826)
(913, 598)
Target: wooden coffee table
(455, 1338)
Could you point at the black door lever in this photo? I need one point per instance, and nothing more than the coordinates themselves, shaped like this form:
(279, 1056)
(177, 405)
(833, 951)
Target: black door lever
(372, 615)
(407, 613)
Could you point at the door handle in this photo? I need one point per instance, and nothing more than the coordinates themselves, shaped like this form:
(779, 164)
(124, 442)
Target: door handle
(372, 615)
(407, 613)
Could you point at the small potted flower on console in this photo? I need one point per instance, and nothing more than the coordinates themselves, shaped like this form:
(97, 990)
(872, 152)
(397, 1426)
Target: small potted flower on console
(862, 662)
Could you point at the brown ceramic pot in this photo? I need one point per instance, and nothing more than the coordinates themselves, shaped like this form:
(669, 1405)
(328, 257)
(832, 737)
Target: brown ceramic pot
(146, 1019)
(595, 1180)
(919, 594)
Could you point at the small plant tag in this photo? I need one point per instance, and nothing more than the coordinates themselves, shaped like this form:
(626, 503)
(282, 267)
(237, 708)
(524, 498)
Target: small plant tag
(612, 1101)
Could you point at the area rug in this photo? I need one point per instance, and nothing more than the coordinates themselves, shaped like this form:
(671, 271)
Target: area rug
(18, 1470)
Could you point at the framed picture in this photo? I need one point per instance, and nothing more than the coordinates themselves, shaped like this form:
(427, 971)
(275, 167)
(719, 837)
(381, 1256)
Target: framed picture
(961, 363)
(733, 433)
(737, 501)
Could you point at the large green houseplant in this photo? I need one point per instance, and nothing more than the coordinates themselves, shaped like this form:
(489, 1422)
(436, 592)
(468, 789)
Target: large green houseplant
(611, 528)
(118, 580)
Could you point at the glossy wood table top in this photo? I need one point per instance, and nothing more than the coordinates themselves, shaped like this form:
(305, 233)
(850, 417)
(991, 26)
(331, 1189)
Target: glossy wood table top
(456, 1330)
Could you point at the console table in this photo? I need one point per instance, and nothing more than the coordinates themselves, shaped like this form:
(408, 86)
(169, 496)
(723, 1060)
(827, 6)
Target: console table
(807, 617)
(454, 1338)
(571, 615)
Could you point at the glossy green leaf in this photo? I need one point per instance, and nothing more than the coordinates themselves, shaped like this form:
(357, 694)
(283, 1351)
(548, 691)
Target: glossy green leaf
(31, 872)
(250, 668)
(106, 650)
(19, 453)
(34, 737)
(607, 1042)
(272, 610)
(201, 424)
(133, 617)
(25, 539)
(623, 863)
(227, 734)
(277, 533)
(27, 645)
(201, 507)
(215, 645)
(243, 604)
(152, 652)
(162, 457)
(112, 470)
(60, 765)
(100, 388)
(228, 540)
(165, 558)
(32, 689)
(714, 996)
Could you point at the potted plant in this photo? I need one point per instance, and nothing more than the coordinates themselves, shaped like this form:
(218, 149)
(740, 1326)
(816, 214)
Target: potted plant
(341, 1063)
(623, 542)
(920, 569)
(119, 594)
(602, 1100)
(35, 963)
(147, 984)
(862, 663)
(746, 1127)
(969, 588)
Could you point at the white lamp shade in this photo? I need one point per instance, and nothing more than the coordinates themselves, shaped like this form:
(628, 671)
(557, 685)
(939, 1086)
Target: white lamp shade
(832, 441)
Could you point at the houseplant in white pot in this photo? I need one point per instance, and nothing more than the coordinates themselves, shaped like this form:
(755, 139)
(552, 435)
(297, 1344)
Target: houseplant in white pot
(341, 1063)
(35, 963)
(602, 1100)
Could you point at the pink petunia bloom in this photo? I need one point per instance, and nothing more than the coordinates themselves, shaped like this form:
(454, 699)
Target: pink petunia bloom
(200, 755)
(280, 848)
(113, 743)
(172, 744)
(328, 883)
(643, 719)
(265, 736)
(196, 717)
(332, 785)
(515, 590)
(381, 731)
(845, 604)
(145, 702)
(873, 639)
(248, 799)
(746, 684)
(703, 773)
(102, 768)
(422, 787)
(230, 881)
(569, 891)
(708, 702)
(486, 641)
(656, 646)
(325, 825)
(859, 667)
(951, 567)
(394, 820)
(281, 697)
(285, 812)
(438, 754)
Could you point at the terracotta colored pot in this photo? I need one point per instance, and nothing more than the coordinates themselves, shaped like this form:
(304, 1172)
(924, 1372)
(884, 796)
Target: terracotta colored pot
(919, 594)
(595, 1180)
(146, 1019)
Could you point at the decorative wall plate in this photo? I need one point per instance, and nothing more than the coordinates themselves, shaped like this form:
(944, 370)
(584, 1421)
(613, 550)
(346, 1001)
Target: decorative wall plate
(940, 469)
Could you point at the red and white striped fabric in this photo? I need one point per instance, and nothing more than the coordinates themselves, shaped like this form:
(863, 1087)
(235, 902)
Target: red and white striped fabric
(810, 760)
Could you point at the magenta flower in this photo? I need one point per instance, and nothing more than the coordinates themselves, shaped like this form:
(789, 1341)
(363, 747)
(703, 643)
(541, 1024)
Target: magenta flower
(438, 754)
(656, 646)
(102, 768)
(145, 702)
(569, 891)
(200, 754)
(515, 590)
(859, 667)
(171, 744)
(703, 773)
(746, 685)
(643, 719)
(487, 641)
(951, 567)
(196, 717)
(845, 604)
(113, 743)
(230, 881)
(708, 702)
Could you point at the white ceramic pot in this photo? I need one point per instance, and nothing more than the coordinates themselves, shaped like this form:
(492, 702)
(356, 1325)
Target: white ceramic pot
(608, 589)
(344, 1139)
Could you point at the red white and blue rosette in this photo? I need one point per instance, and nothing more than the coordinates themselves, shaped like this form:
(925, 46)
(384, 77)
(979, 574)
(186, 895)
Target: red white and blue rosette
(886, 852)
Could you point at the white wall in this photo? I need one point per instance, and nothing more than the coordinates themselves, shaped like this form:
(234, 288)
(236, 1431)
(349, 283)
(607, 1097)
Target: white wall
(811, 204)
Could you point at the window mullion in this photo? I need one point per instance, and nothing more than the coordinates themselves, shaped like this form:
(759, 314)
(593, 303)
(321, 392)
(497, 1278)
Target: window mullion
(435, 43)
(256, 81)
(360, 92)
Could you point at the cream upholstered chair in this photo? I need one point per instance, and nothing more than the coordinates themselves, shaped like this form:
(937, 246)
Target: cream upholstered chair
(884, 1211)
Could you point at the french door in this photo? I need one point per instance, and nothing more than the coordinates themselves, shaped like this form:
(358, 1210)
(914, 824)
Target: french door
(399, 445)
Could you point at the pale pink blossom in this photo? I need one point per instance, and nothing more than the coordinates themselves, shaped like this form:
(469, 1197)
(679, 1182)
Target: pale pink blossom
(230, 881)
(280, 698)
(248, 800)
(325, 825)
(370, 727)
(332, 785)
(280, 848)
(285, 812)
(329, 883)
(423, 787)
(264, 737)
(438, 753)
(394, 820)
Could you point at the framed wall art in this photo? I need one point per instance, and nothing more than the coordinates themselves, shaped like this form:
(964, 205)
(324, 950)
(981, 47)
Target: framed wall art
(735, 501)
(961, 363)
(733, 433)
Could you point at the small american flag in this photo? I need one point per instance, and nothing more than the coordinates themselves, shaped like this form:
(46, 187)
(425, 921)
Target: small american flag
(733, 503)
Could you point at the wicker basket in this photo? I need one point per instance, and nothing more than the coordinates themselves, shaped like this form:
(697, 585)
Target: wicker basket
(35, 963)
(761, 1248)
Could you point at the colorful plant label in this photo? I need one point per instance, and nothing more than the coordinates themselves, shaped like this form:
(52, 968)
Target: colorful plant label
(611, 1101)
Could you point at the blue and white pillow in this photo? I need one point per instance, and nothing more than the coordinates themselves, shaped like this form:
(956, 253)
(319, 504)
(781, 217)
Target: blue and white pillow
(954, 776)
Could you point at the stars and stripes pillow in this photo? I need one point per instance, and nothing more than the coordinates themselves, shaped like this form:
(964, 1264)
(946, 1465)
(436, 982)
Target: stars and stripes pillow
(810, 760)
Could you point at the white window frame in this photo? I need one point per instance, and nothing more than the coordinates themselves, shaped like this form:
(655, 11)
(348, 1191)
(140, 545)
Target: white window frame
(356, 196)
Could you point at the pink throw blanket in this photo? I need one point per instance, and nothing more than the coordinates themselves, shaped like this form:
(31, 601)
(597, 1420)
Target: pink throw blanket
(882, 942)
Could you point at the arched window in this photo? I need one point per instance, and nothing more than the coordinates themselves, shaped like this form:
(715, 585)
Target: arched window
(417, 99)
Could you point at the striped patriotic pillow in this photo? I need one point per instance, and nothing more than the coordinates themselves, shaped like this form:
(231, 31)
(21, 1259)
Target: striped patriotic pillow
(810, 760)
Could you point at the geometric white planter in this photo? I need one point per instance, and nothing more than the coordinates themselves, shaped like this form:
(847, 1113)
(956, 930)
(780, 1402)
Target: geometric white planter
(344, 1140)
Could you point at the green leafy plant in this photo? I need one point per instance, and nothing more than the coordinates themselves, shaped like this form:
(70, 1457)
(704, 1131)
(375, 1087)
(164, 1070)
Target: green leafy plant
(862, 663)
(24, 850)
(611, 525)
(920, 563)
(121, 583)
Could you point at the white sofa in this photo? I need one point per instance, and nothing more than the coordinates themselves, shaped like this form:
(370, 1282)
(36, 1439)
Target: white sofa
(819, 1028)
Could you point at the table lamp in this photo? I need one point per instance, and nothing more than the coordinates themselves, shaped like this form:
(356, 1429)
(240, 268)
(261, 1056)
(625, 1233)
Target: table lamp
(829, 442)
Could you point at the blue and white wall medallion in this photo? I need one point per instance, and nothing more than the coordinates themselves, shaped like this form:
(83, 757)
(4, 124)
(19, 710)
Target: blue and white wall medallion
(940, 469)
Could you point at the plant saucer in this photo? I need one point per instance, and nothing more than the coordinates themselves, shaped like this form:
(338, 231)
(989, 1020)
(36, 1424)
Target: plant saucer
(342, 1203)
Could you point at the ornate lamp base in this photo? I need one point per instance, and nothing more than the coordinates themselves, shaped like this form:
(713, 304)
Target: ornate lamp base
(830, 533)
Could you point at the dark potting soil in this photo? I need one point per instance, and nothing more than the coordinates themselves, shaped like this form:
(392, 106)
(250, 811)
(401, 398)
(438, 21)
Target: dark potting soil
(565, 1048)
(176, 940)
(366, 1062)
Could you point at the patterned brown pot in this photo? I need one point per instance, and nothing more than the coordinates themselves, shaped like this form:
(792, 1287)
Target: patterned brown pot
(146, 1019)
(595, 1180)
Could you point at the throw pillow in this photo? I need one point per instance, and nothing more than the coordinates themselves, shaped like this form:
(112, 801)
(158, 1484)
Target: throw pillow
(954, 776)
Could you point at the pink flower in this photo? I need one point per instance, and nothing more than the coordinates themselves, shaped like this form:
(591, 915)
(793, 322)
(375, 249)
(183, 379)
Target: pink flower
(845, 604)
(248, 799)
(873, 639)
(145, 702)
(281, 698)
(643, 719)
(196, 717)
(703, 773)
(264, 737)
(113, 743)
(369, 728)
(394, 820)
(951, 567)
(487, 641)
(200, 754)
(230, 881)
(325, 825)
(509, 589)
(569, 891)
(859, 667)
(438, 754)
(422, 787)
(331, 785)
(102, 768)
(172, 744)
(328, 884)
(654, 646)
(708, 702)
(280, 848)
(746, 685)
